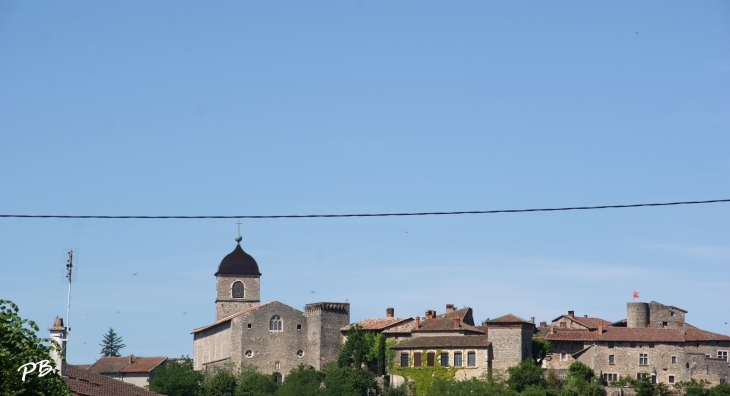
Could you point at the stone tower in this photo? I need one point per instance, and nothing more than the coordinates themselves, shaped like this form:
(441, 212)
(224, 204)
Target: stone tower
(324, 339)
(237, 283)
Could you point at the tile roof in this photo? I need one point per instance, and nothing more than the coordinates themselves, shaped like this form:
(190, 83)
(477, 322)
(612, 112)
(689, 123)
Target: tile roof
(571, 335)
(403, 328)
(692, 333)
(239, 313)
(669, 306)
(459, 312)
(470, 341)
(89, 383)
(445, 324)
(378, 323)
(509, 318)
(645, 334)
(591, 323)
(122, 364)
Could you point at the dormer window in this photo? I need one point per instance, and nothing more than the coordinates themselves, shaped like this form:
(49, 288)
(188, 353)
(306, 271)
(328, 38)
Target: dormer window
(237, 289)
(275, 323)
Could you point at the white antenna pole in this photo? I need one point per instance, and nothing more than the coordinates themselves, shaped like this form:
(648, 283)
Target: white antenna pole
(69, 274)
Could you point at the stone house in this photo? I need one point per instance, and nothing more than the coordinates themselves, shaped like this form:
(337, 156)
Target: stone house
(273, 336)
(135, 370)
(654, 341)
(452, 339)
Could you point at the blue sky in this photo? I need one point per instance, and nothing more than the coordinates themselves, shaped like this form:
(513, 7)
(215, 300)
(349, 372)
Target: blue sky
(233, 108)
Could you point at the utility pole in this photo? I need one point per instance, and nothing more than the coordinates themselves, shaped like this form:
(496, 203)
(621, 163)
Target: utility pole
(69, 276)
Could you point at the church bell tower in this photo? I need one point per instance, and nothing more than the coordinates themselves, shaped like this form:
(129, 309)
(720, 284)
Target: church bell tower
(237, 283)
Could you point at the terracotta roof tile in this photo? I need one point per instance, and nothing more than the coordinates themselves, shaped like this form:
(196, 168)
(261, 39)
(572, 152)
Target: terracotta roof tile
(445, 324)
(403, 328)
(89, 383)
(470, 341)
(509, 318)
(592, 323)
(692, 333)
(571, 335)
(122, 364)
(378, 323)
(646, 334)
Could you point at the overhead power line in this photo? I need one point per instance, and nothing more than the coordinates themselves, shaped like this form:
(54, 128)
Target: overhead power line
(367, 214)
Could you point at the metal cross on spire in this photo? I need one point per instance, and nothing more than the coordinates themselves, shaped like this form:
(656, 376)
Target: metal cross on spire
(238, 236)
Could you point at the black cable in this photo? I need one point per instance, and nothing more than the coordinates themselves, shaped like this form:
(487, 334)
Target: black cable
(369, 214)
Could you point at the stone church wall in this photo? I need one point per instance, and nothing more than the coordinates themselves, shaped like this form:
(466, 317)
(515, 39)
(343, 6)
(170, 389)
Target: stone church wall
(212, 346)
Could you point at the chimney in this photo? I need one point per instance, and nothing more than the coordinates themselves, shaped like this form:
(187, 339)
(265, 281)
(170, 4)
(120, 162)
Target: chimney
(543, 324)
(450, 308)
(585, 316)
(553, 330)
(130, 360)
(600, 327)
(58, 345)
(418, 322)
(456, 322)
(430, 314)
(571, 314)
(532, 319)
(389, 312)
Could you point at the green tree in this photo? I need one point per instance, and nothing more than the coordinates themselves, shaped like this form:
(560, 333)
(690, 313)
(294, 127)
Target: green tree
(468, 387)
(19, 345)
(578, 370)
(219, 382)
(398, 391)
(355, 350)
(252, 383)
(381, 355)
(302, 381)
(720, 390)
(540, 349)
(177, 378)
(348, 381)
(111, 344)
(525, 374)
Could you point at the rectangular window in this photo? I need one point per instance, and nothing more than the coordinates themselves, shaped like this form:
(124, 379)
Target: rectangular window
(611, 359)
(643, 359)
(471, 359)
(457, 359)
(608, 377)
(671, 379)
(417, 359)
(651, 345)
(299, 327)
(611, 344)
(632, 345)
(664, 325)
(563, 357)
(445, 359)
(404, 360)
(562, 324)
(722, 355)
(674, 360)
(687, 364)
(671, 313)
(430, 358)
(640, 376)
(653, 379)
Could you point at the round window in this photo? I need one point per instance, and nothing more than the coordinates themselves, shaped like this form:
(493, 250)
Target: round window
(248, 354)
(300, 353)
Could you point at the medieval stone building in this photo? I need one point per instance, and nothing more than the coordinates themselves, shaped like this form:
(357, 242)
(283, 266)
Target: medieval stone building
(653, 341)
(273, 336)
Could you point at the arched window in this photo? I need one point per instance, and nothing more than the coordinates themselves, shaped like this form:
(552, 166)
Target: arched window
(275, 323)
(237, 289)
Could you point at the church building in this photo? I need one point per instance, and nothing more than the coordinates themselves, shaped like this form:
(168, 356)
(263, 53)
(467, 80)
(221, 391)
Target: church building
(272, 336)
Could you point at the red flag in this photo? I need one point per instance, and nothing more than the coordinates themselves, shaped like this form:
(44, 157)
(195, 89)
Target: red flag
(636, 294)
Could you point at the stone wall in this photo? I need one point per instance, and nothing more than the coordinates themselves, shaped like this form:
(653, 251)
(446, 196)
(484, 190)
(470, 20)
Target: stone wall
(324, 339)
(481, 367)
(552, 361)
(225, 304)
(507, 345)
(660, 313)
(212, 345)
(689, 362)
(270, 351)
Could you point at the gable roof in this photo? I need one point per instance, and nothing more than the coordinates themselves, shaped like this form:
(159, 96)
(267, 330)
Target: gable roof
(470, 341)
(378, 323)
(592, 323)
(571, 335)
(643, 334)
(239, 313)
(402, 328)
(445, 324)
(507, 319)
(89, 383)
(126, 364)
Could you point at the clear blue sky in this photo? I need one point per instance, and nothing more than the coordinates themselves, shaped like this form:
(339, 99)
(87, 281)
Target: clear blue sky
(189, 108)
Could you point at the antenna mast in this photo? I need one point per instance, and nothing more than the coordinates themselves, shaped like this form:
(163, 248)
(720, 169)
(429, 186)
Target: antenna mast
(69, 276)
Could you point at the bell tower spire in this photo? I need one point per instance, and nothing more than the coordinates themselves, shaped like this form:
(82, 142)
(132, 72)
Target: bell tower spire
(237, 282)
